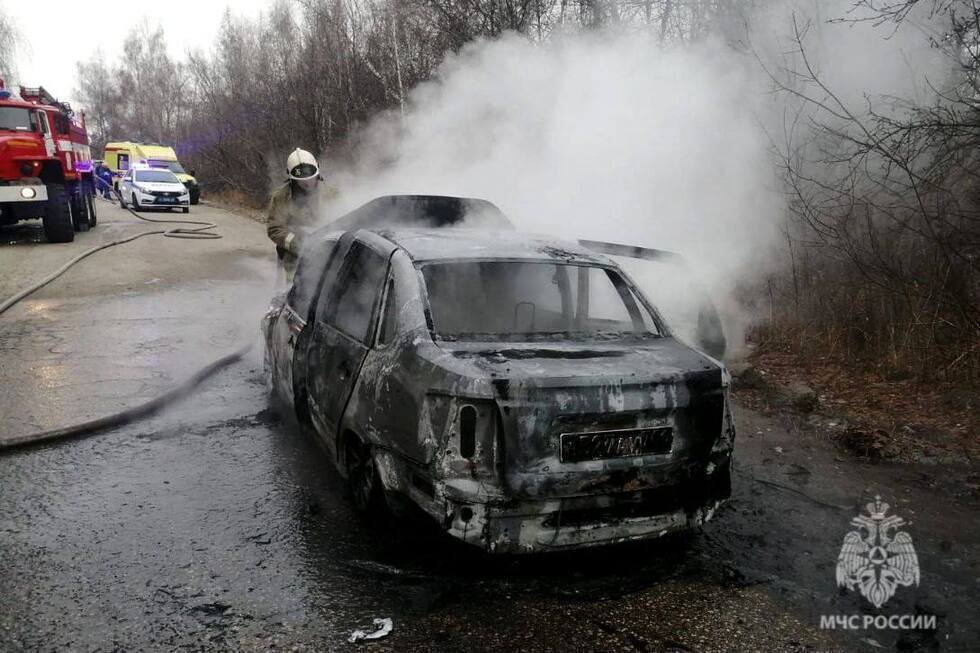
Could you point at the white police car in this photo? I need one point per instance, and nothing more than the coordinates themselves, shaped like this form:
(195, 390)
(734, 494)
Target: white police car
(144, 188)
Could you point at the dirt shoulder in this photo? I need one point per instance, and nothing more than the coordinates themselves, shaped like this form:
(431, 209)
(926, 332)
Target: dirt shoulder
(865, 413)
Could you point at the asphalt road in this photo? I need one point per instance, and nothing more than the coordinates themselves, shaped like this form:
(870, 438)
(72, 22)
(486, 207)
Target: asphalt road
(219, 525)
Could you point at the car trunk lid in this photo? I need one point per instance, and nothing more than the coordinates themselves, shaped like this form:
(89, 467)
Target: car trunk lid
(601, 418)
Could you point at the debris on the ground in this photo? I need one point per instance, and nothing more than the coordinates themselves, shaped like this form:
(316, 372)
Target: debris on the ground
(870, 443)
(801, 396)
(748, 376)
(382, 627)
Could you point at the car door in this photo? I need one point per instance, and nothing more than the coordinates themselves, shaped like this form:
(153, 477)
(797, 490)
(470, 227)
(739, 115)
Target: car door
(49, 145)
(340, 336)
(293, 317)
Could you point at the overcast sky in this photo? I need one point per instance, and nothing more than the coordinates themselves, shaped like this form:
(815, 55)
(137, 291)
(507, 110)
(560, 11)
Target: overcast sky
(77, 29)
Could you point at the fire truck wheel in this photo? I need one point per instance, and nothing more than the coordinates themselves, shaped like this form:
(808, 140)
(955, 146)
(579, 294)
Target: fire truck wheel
(79, 212)
(92, 217)
(57, 216)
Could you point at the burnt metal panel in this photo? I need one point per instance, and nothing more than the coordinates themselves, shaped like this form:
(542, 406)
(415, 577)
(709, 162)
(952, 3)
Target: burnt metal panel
(425, 211)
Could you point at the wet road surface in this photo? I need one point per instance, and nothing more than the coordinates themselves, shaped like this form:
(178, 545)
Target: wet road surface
(219, 525)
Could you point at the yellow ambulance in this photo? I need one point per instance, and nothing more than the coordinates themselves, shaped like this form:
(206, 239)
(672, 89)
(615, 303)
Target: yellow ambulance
(122, 156)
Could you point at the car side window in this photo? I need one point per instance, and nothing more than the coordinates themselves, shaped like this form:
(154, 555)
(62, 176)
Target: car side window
(310, 269)
(389, 321)
(359, 287)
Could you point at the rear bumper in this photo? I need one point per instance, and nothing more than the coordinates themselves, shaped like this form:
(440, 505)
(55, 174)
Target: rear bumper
(13, 193)
(580, 522)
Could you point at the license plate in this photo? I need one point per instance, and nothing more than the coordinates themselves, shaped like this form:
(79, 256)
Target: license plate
(626, 443)
(166, 200)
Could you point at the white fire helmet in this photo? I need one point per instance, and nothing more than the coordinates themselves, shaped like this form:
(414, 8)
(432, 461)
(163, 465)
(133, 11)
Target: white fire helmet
(302, 168)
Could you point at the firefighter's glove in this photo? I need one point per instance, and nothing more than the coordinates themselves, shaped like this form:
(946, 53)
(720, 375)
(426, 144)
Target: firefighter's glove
(292, 243)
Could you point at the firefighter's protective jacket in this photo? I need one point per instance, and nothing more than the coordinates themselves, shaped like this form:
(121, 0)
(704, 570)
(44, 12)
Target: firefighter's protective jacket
(291, 215)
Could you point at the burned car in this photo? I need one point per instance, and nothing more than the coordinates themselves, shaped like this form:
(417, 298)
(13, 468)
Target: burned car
(520, 390)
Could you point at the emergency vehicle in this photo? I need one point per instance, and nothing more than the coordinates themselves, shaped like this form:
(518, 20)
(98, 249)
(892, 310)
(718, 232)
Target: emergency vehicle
(45, 164)
(125, 155)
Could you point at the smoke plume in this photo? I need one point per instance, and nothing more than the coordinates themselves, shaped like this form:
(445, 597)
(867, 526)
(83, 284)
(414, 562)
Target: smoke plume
(618, 137)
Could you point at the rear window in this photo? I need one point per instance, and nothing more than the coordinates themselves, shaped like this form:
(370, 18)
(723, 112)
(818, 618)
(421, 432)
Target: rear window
(158, 176)
(506, 300)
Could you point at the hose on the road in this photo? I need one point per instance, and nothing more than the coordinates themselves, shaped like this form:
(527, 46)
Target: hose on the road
(127, 416)
(202, 231)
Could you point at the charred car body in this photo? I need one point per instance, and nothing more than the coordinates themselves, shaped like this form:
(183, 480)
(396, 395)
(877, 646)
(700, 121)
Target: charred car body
(521, 391)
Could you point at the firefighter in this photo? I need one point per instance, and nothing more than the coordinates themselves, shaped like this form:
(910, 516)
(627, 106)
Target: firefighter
(293, 208)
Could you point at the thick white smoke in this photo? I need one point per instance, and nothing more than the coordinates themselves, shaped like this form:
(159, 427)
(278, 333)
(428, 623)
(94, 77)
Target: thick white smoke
(616, 137)
(593, 136)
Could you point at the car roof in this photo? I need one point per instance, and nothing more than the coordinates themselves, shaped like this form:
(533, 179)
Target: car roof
(423, 245)
(445, 228)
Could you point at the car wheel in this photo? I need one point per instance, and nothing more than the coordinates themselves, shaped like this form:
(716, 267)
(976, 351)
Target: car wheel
(122, 202)
(58, 227)
(92, 217)
(134, 203)
(362, 479)
(186, 210)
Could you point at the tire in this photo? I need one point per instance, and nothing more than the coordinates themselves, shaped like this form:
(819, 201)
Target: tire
(185, 210)
(134, 204)
(58, 227)
(122, 203)
(79, 210)
(93, 219)
(363, 481)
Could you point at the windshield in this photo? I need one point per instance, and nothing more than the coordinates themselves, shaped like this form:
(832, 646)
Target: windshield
(172, 166)
(17, 119)
(507, 300)
(160, 176)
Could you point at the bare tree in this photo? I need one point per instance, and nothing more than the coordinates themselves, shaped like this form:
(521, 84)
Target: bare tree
(887, 217)
(9, 39)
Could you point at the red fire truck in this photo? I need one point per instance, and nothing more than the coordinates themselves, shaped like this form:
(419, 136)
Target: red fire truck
(45, 164)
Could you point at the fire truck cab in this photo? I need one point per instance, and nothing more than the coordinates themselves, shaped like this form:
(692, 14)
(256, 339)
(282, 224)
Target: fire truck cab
(45, 164)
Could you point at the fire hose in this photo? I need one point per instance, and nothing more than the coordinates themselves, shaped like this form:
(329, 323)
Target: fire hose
(201, 231)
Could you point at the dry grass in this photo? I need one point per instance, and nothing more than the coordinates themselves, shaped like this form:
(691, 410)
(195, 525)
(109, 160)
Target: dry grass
(915, 416)
(239, 202)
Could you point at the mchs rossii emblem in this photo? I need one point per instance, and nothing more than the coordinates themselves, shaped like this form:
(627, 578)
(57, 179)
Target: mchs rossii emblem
(877, 557)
